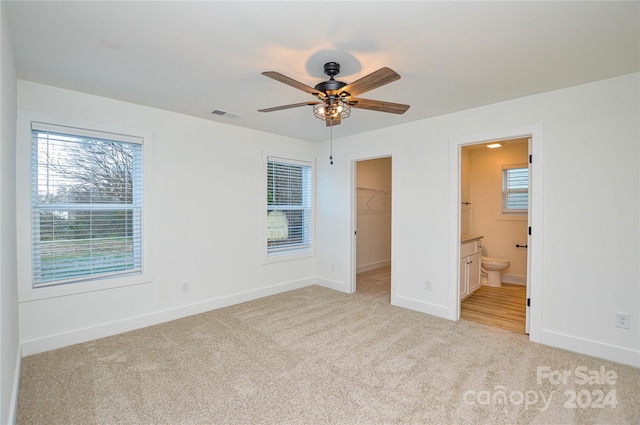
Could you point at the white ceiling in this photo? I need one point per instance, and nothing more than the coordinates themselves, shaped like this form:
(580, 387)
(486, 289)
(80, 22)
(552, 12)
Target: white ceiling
(194, 57)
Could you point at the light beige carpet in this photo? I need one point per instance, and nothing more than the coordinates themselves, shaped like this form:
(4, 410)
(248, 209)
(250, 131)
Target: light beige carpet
(317, 356)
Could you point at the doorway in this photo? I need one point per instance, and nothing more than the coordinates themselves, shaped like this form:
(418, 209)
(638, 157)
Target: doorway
(494, 182)
(534, 133)
(372, 228)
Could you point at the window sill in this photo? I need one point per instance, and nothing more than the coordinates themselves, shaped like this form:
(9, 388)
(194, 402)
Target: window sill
(43, 293)
(288, 256)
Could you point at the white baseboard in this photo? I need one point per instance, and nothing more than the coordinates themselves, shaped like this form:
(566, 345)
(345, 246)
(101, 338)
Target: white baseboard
(332, 284)
(421, 306)
(78, 336)
(373, 266)
(591, 348)
(13, 406)
(513, 279)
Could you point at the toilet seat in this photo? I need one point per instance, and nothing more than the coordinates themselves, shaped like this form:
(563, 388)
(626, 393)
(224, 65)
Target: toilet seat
(493, 260)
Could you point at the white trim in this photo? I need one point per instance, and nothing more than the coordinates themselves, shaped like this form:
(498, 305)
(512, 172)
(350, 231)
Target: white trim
(78, 336)
(352, 213)
(294, 253)
(333, 284)
(85, 132)
(535, 132)
(589, 347)
(15, 388)
(421, 306)
(514, 279)
(23, 206)
(373, 266)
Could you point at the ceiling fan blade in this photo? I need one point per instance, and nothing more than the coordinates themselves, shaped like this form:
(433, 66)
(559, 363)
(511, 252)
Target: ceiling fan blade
(378, 105)
(372, 81)
(293, 105)
(290, 82)
(334, 121)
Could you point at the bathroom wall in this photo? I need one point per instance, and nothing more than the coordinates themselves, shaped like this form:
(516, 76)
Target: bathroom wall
(373, 214)
(501, 232)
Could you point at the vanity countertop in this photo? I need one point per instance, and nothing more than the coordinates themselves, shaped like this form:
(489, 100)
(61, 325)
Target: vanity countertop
(469, 238)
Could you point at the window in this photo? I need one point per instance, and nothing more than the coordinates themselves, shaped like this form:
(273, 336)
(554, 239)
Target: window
(515, 189)
(289, 207)
(86, 205)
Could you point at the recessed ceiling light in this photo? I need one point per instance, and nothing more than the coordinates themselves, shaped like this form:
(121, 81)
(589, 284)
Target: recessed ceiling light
(494, 145)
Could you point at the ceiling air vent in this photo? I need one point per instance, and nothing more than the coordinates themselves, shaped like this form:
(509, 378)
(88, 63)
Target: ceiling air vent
(224, 113)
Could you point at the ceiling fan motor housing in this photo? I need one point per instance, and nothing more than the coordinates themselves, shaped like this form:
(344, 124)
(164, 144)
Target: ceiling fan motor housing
(331, 69)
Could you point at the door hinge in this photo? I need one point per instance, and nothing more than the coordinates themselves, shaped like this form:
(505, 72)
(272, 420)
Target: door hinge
(528, 302)
(529, 230)
(530, 159)
(355, 233)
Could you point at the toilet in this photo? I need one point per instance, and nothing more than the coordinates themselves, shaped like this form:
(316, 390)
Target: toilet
(492, 267)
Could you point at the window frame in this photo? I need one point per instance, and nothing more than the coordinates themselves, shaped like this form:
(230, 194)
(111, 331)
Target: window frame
(507, 212)
(278, 255)
(27, 290)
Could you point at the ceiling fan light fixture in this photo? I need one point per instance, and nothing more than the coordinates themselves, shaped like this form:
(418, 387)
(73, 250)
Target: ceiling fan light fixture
(332, 109)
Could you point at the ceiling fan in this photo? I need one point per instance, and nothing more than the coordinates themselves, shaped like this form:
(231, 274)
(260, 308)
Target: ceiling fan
(336, 98)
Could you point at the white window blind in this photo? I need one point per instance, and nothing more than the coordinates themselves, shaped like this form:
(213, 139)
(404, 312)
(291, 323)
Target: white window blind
(515, 189)
(86, 201)
(289, 199)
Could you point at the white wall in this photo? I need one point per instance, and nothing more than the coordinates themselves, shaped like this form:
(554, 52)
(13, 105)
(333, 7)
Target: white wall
(206, 216)
(591, 228)
(501, 232)
(373, 214)
(590, 136)
(9, 347)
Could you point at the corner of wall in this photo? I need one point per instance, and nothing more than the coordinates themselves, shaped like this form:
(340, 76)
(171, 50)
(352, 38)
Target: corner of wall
(10, 352)
(13, 404)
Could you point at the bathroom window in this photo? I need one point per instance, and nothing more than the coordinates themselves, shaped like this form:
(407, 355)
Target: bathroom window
(515, 189)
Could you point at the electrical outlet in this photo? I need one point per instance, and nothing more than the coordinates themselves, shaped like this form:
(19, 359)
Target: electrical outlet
(185, 286)
(622, 320)
(333, 267)
(427, 285)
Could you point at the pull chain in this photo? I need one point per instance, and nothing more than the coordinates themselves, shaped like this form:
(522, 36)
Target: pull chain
(331, 144)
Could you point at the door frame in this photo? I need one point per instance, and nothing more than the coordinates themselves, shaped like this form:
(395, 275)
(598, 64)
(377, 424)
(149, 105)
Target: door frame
(535, 241)
(352, 213)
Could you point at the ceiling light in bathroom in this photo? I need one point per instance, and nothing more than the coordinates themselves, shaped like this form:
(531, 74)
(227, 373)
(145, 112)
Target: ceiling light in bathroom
(494, 145)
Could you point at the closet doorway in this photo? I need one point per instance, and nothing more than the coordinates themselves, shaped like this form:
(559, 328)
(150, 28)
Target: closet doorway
(372, 221)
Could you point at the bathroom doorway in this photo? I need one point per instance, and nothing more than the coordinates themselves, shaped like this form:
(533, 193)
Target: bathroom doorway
(372, 219)
(494, 214)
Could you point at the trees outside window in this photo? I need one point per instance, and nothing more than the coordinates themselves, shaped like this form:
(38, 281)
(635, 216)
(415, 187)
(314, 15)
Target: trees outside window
(86, 207)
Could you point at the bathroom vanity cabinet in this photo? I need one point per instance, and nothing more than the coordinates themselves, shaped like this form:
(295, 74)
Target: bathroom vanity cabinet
(470, 265)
